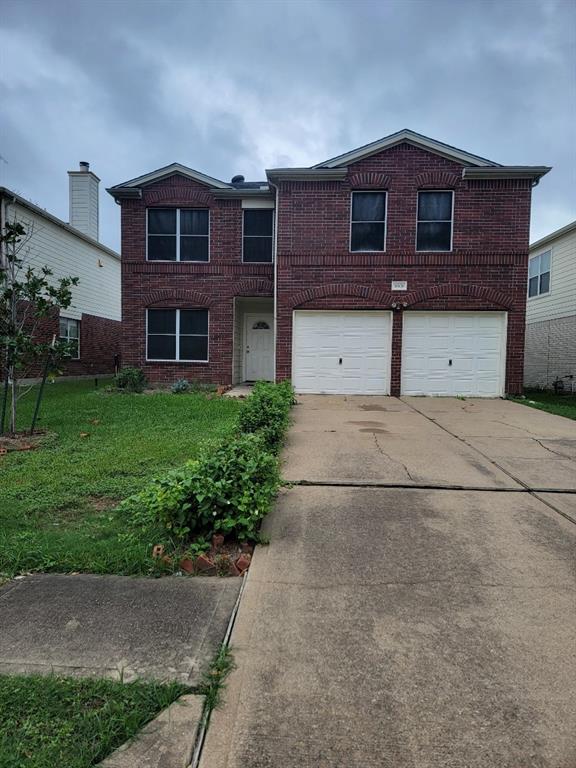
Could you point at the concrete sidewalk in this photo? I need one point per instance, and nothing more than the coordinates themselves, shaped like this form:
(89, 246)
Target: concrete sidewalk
(393, 627)
(114, 626)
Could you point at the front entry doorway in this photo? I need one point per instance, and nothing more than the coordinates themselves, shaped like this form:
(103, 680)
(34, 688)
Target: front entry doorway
(259, 347)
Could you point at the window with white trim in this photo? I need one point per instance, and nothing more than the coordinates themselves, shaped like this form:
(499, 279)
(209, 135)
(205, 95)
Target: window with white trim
(69, 333)
(368, 221)
(257, 235)
(177, 334)
(539, 274)
(434, 221)
(178, 234)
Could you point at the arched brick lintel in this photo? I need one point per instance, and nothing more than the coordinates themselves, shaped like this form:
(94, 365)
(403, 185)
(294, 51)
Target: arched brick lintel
(489, 295)
(378, 297)
(177, 298)
(254, 286)
(437, 180)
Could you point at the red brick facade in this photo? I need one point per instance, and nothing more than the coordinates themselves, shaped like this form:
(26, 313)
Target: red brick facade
(99, 346)
(486, 270)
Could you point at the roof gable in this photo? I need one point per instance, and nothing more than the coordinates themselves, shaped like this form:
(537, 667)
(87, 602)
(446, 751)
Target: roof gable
(170, 170)
(411, 137)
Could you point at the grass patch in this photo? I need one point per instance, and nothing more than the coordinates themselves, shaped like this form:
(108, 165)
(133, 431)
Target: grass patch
(56, 502)
(73, 723)
(561, 405)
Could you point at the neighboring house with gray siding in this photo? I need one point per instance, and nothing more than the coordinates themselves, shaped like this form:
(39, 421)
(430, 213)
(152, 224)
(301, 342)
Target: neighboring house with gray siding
(551, 311)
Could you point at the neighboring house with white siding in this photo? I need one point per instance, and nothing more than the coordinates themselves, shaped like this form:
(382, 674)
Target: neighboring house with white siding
(551, 311)
(92, 322)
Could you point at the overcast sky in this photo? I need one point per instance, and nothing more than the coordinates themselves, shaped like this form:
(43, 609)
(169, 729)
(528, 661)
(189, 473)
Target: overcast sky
(236, 86)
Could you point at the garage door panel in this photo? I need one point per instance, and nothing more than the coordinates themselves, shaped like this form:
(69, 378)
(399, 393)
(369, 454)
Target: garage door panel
(360, 340)
(473, 342)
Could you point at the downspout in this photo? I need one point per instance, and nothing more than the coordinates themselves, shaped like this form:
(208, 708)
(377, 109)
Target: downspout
(275, 256)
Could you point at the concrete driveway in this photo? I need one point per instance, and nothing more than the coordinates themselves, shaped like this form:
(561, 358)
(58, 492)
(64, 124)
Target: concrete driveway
(417, 603)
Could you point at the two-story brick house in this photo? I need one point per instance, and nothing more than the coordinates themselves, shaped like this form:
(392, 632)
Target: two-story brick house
(398, 267)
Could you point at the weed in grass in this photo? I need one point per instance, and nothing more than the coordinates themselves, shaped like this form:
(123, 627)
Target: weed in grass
(213, 682)
(561, 405)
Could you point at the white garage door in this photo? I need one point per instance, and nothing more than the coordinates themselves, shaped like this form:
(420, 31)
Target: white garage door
(341, 352)
(454, 353)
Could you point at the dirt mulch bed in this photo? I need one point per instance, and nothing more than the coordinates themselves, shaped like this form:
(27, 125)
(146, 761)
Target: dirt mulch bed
(24, 441)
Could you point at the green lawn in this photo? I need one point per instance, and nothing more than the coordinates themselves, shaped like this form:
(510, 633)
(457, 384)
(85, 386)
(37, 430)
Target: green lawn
(56, 503)
(73, 723)
(562, 405)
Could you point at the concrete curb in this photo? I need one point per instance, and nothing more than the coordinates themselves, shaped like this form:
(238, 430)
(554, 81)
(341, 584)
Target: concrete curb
(166, 742)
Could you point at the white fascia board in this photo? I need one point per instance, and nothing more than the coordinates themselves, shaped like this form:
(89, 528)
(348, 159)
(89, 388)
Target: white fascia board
(307, 174)
(170, 170)
(507, 172)
(431, 145)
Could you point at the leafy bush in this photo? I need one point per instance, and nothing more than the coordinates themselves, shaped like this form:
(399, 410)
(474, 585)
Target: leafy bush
(267, 412)
(130, 380)
(227, 489)
(180, 386)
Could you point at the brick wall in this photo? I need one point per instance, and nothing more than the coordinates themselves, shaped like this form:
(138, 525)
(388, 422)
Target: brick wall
(212, 285)
(551, 352)
(486, 270)
(99, 343)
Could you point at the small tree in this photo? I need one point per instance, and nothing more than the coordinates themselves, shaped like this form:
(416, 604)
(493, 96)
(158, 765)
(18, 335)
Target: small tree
(27, 296)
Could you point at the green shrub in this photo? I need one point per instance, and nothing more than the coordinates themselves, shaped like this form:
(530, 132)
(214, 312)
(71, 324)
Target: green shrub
(267, 412)
(130, 380)
(228, 489)
(180, 386)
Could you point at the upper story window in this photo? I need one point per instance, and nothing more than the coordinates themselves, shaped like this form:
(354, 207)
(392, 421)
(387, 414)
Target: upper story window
(434, 225)
(258, 235)
(177, 334)
(539, 274)
(70, 334)
(178, 234)
(368, 221)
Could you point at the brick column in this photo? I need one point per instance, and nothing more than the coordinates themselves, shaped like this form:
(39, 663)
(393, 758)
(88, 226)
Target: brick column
(396, 361)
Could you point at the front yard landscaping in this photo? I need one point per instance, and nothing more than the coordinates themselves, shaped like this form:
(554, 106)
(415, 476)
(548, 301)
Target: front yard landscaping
(73, 723)
(561, 405)
(57, 501)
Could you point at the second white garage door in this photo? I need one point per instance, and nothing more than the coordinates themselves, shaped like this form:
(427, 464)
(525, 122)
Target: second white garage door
(454, 353)
(344, 353)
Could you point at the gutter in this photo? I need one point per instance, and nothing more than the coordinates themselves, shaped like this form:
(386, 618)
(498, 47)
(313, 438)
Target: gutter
(533, 172)
(307, 174)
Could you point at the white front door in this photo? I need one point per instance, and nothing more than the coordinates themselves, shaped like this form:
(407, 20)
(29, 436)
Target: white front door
(259, 349)
(343, 353)
(454, 353)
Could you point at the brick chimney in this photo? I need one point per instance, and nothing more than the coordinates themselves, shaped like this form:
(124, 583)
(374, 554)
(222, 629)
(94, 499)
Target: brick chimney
(84, 200)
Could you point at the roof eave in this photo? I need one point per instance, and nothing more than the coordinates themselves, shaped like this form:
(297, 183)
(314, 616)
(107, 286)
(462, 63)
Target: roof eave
(534, 172)
(307, 174)
(553, 236)
(170, 170)
(235, 194)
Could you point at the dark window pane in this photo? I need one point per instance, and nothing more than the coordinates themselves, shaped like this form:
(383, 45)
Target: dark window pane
(257, 249)
(161, 321)
(193, 321)
(258, 222)
(73, 329)
(162, 247)
(545, 282)
(162, 221)
(368, 206)
(74, 349)
(533, 286)
(434, 237)
(161, 347)
(193, 249)
(534, 266)
(193, 347)
(367, 237)
(435, 206)
(194, 222)
(63, 327)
